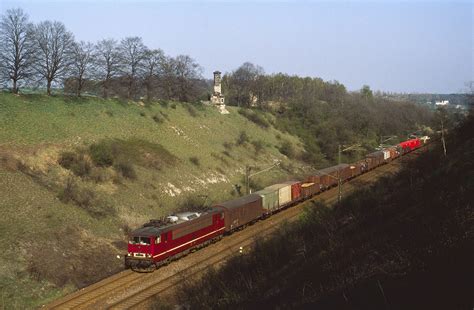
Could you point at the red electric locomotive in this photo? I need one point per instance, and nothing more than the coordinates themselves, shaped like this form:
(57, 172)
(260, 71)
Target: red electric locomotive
(410, 145)
(161, 241)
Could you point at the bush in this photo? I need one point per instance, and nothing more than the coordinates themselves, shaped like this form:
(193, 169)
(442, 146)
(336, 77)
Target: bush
(85, 198)
(158, 119)
(254, 117)
(258, 145)
(163, 103)
(228, 145)
(102, 154)
(242, 138)
(173, 105)
(287, 149)
(143, 114)
(72, 193)
(191, 110)
(194, 160)
(77, 163)
(126, 169)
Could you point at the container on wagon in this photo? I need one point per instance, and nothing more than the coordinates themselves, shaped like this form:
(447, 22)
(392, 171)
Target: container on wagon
(295, 190)
(269, 199)
(284, 193)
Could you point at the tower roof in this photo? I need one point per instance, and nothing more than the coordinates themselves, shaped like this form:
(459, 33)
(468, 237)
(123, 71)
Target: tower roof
(217, 72)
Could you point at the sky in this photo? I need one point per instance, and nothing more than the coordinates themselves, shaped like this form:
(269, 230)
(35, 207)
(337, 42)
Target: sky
(396, 46)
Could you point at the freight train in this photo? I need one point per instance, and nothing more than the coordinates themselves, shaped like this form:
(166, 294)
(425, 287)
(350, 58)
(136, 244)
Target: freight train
(161, 241)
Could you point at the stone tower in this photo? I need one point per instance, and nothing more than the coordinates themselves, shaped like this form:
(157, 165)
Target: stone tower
(217, 82)
(217, 98)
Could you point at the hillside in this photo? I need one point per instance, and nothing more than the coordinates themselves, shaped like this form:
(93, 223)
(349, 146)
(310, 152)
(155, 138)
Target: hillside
(76, 175)
(404, 243)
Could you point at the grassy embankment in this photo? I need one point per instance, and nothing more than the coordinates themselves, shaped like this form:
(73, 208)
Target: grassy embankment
(77, 174)
(404, 243)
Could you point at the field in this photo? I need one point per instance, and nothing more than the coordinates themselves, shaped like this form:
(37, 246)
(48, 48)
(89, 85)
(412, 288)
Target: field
(76, 175)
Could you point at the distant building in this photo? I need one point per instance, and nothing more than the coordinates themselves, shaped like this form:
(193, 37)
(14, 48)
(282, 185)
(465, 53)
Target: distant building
(443, 102)
(217, 97)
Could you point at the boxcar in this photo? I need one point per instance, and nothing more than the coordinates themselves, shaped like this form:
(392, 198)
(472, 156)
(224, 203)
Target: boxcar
(330, 176)
(284, 194)
(295, 190)
(309, 189)
(241, 211)
(269, 199)
(375, 159)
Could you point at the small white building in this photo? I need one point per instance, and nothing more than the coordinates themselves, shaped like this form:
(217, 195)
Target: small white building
(442, 103)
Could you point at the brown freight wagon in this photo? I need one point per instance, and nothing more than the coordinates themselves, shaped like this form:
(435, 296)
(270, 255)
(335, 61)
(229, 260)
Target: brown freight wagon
(375, 159)
(241, 211)
(309, 189)
(330, 176)
(314, 179)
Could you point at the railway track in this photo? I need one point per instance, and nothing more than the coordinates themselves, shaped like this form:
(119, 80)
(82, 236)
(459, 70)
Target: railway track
(129, 289)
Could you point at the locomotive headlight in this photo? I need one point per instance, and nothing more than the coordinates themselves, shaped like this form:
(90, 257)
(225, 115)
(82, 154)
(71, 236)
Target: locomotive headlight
(129, 254)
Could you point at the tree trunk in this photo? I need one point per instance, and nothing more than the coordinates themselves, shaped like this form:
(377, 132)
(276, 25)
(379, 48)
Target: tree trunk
(79, 87)
(106, 89)
(15, 89)
(48, 88)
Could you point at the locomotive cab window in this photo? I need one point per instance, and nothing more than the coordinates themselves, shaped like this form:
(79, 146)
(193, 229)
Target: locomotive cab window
(157, 240)
(144, 241)
(140, 240)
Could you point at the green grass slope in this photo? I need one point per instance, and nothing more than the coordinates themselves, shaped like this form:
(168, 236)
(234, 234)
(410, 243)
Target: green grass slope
(77, 174)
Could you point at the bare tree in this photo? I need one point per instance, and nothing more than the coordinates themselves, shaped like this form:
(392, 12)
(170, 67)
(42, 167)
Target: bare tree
(82, 63)
(152, 63)
(132, 53)
(53, 58)
(168, 76)
(107, 58)
(15, 47)
(187, 74)
(244, 83)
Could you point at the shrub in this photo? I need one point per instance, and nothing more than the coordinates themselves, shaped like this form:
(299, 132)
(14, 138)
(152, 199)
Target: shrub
(228, 145)
(102, 154)
(126, 169)
(109, 113)
(193, 203)
(226, 153)
(242, 138)
(72, 193)
(163, 103)
(191, 109)
(258, 145)
(143, 114)
(173, 105)
(77, 163)
(194, 160)
(254, 117)
(99, 175)
(158, 119)
(287, 149)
